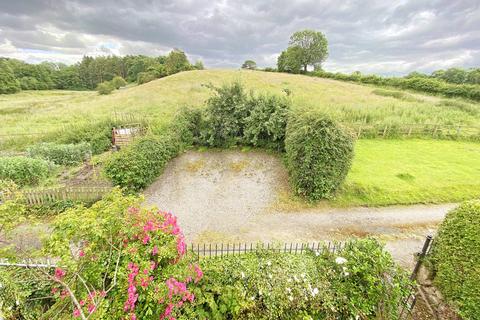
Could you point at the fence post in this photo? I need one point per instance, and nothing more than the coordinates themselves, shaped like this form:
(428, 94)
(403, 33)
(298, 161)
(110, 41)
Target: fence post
(421, 257)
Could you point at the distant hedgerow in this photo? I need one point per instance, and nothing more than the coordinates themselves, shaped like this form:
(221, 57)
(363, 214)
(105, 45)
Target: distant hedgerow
(319, 154)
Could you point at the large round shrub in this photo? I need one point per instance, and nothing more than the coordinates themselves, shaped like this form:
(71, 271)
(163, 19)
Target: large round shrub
(456, 259)
(318, 153)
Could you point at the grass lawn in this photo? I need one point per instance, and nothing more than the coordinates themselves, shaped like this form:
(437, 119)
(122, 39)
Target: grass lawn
(386, 172)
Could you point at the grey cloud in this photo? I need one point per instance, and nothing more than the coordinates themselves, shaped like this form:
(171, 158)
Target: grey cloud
(371, 35)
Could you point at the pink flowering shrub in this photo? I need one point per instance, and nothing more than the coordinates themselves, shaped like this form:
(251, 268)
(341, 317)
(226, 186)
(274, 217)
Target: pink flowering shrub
(130, 262)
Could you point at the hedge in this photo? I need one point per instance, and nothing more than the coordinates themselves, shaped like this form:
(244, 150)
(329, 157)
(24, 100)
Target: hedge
(63, 154)
(24, 170)
(319, 154)
(421, 84)
(360, 281)
(456, 259)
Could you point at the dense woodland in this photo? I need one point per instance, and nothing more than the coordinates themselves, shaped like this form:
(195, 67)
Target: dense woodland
(16, 75)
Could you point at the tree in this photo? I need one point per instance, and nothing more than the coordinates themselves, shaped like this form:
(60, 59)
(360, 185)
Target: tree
(118, 82)
(176, 61)
(312, 46)
(199, 65)
(8, 82)
(290, 60)
(249, 64)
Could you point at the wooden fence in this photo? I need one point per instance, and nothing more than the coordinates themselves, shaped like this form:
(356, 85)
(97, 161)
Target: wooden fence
(43, 196)
(363, 130)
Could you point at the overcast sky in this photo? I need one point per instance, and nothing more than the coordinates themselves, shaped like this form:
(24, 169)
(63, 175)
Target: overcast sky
(372, 36)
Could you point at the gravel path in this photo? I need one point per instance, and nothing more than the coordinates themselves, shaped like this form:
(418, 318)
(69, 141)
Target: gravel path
(228, 196)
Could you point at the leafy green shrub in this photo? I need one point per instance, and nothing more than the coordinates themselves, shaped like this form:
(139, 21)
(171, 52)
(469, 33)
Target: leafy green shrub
(63, 154)
(456, 259)
(105, 87)
(98, 134)
(23, 170)
(144, 77)
(118, 82)
(232, 117)
(318, 155)
(360, 281)
(137, 165)
(266, 123)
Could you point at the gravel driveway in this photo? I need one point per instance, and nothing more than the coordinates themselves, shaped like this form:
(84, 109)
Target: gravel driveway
(221, 196)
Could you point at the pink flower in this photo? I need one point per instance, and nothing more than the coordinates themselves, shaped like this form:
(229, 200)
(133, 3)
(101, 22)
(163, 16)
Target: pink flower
(91, 308)
(59, 273)
(199, 273)
(82, 303)
(76, 313)
(54, 290)
(155, 250)
(146, 239)
(133, 317)
(81, 253)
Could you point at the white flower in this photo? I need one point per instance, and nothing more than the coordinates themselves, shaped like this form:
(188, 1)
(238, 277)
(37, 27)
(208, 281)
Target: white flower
(290, 298)
(295, 278)
(252, 298)
(340, 260)
(317, 253)
(346, 274)
(17, 302)
(303, 275)
(289, 290)
(260, 292)
(269, 263)
(270, 276)
(314, 292)
(289, 280)
(243, 275)
(357, 317)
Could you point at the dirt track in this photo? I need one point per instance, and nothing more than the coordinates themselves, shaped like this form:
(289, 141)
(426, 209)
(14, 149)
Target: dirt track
(229, 196)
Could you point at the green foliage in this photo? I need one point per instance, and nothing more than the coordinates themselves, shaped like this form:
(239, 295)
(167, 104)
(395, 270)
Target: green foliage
(12, 207)
(312, 47)
(63, 154)
(8, 82)
(118, 82)
(105, 87)
(319, 154)
(395, 94)
(360, 281)
(137, 165)
(97, 134)
(249, 64)
(198, 65)
(290, 60)
(23, 170)
(456, 259)
(176, 61)
(267, 121)
(431, 85)
(144, 77)
(127, 261)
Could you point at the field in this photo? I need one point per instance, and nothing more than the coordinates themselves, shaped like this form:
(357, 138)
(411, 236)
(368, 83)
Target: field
(384, 171)
(46, 111)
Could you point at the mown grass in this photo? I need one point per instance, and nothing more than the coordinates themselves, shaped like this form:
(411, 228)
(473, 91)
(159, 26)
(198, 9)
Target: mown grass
(46, 111)
(401, 172)
(386, 172)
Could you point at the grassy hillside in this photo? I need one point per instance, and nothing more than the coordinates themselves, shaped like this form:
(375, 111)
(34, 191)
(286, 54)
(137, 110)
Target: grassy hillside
(41, 111)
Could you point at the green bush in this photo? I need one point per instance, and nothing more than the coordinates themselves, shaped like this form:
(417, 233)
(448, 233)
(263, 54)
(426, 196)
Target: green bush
(105, 87)
(360, 281)
(266, 123)
(118, 82)
(144, 77)
(63, 154)
(318, 155)
(137, 165)
(456, 259)
(98, 134)
(23, 170)
(234, 117)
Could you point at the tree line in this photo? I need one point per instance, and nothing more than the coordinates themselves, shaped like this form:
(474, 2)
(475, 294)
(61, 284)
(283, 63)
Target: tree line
(17, 75)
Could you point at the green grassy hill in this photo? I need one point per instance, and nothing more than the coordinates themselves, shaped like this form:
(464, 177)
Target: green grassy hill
(40, 111)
